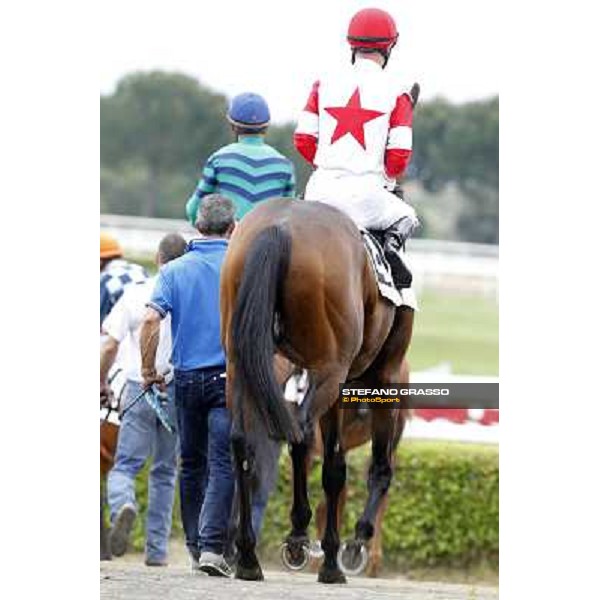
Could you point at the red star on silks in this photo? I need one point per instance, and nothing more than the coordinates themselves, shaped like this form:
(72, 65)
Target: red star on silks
(351, 119)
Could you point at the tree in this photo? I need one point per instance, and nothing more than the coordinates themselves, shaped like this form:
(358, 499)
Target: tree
(459, 144)
(166, 123)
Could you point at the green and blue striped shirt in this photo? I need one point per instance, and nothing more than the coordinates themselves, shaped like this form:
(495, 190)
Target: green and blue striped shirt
(247, 172)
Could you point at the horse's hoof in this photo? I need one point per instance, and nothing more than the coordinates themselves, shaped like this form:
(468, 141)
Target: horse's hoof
(105, 557)
(331, 576)
(295, 555)
(353, 557)
(249, 573)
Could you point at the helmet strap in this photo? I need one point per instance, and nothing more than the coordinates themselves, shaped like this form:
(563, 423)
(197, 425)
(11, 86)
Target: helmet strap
(389, 52)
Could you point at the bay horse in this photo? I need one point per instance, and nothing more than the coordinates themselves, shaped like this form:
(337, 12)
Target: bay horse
(296, 280)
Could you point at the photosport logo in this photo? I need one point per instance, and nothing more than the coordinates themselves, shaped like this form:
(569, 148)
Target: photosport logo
(421, 395)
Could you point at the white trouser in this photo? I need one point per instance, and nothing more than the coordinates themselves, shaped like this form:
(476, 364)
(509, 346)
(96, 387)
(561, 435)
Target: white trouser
(362, 197)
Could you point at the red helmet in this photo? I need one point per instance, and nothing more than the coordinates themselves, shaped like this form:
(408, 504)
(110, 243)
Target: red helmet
(374, 29)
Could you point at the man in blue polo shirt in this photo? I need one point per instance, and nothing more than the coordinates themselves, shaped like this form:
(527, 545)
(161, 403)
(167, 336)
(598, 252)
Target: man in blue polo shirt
(188, 289)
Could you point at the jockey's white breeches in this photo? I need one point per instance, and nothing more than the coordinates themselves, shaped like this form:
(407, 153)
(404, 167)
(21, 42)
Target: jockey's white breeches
(362, 197)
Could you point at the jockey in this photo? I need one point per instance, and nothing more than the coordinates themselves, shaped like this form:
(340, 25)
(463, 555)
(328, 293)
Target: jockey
(356, 129)
(248, 171)
(115, 273)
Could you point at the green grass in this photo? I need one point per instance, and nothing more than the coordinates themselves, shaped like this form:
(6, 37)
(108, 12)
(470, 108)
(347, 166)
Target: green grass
(461, 330)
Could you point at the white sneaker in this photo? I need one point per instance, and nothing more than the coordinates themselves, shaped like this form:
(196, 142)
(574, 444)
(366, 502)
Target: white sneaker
(214, 564)
(195, 564)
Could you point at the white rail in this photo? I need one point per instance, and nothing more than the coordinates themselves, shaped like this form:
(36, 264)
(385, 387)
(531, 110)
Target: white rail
(438, 264)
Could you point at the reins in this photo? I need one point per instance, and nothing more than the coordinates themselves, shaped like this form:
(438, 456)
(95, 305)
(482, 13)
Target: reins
(111, 406)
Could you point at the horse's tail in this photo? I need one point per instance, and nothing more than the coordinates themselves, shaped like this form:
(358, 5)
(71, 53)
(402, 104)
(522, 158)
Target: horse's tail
(252, 330)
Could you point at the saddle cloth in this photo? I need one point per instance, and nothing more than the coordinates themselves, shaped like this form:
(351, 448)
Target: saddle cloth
(383, 274)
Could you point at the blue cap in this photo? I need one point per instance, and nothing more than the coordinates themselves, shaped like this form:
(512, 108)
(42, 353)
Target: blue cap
(249, 110)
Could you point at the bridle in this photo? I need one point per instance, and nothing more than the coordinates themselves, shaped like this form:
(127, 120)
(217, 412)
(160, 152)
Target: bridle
(113, 402)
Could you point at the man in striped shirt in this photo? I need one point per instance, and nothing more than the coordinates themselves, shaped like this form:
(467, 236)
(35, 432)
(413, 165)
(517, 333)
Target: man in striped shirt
(249, 171)
(356, 128)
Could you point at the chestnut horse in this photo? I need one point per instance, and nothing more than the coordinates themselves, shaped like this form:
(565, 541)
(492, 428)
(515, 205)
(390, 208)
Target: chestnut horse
(109, 433)
(296, 280)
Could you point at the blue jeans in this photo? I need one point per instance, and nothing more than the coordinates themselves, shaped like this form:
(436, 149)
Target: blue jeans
(267, 468)
(141, 435)
(206, 479)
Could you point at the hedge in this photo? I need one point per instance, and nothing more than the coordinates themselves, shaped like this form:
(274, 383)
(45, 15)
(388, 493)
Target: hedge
(442, 511)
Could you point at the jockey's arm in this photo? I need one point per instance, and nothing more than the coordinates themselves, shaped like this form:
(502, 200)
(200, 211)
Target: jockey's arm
(290, 188)
(306, 135)
(191, 208)
(399, 145)
(206, 185)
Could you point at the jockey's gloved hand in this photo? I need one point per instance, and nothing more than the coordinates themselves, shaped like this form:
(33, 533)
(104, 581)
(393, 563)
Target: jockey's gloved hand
(415, 90)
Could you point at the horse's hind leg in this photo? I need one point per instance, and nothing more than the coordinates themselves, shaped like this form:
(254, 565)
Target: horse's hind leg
(380, 473)
(334, 480)
(387, 424)
(297, 542)
(321, 516)
(247, 566)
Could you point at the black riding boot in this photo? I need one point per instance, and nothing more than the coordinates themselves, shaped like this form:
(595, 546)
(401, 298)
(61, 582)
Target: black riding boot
(394, 239)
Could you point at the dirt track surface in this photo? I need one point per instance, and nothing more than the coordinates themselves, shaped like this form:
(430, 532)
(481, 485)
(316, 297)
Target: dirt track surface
(131, 581)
